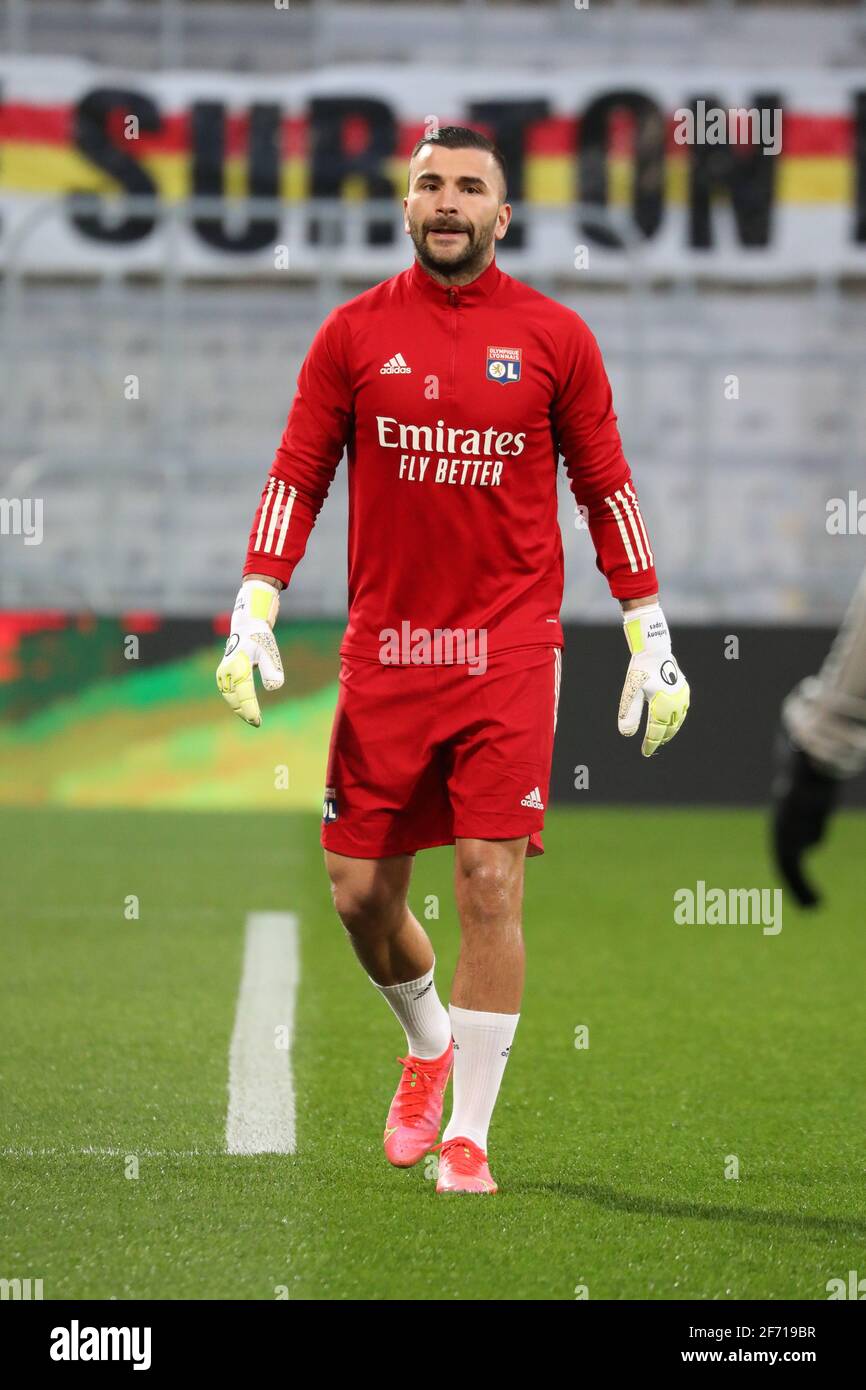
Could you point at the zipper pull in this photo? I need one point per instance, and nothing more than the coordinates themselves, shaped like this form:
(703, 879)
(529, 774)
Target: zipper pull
(453, 298)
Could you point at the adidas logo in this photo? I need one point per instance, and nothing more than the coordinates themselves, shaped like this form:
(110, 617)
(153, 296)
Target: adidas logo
(534, 800)
(395, 365)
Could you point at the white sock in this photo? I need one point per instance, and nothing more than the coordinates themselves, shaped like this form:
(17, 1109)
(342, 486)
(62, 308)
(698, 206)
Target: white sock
(422, 1014)
(482, 1042)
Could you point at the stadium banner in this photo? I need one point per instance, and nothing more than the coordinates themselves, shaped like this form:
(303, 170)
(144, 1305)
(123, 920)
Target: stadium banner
(612, 170)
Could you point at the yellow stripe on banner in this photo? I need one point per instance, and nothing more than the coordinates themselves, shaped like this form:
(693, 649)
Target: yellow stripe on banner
(172, 175)
(826, 179)
(823, 179)
(28, 168)
(555, 180)
(49, 169)
(677, 183)
(551, 180)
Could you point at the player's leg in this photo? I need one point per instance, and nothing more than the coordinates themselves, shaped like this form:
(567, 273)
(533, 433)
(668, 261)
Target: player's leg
(485, 1000)
(370, 897)
(488, 888)
(382, 755)
(498, 787)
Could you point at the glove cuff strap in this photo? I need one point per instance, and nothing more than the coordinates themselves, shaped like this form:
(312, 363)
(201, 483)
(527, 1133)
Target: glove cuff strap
(262, 600)
(646, 630)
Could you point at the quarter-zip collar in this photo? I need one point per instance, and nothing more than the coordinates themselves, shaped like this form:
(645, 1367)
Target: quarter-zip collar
(478, 290)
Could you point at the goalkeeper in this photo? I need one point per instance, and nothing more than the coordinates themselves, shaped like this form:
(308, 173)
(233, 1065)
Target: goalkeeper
(455, 388)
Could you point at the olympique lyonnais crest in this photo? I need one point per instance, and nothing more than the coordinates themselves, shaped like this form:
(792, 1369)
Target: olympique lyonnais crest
(503, 364)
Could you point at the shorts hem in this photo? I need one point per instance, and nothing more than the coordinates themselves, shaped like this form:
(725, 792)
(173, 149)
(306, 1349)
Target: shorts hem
(385, 849)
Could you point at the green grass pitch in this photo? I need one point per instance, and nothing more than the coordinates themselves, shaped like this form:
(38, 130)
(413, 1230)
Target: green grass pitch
(704, 1042)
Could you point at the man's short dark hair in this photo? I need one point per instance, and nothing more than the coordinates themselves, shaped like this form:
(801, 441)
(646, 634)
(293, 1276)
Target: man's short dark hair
(460, 137)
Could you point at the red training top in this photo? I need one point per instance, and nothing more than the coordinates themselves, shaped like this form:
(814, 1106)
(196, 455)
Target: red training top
(455, 405)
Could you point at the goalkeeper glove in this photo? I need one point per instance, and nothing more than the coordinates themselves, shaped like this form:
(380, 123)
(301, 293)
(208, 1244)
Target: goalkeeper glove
(653, 676)
(251, 643)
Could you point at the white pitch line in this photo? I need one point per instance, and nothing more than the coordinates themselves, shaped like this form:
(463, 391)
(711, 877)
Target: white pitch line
(91, 1151)
(261, 1108)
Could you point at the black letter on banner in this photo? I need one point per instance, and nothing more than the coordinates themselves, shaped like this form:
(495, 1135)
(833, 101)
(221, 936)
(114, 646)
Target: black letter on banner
(208, 173)
(508, 121)
(860, 166)
(90, 135)
(746, 172)
(649, 163)
(330, 164)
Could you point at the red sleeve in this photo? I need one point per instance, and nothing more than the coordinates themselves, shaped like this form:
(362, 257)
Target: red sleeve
(587, 436)
(316, 433)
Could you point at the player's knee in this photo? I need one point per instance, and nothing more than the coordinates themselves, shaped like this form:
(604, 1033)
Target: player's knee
(487, 887)
(362, 907)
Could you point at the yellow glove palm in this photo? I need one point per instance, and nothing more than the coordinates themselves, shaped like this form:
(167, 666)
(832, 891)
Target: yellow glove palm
(654, 678)
(251, 643)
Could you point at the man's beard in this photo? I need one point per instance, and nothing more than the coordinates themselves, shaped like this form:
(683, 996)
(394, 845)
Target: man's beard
(473, 256)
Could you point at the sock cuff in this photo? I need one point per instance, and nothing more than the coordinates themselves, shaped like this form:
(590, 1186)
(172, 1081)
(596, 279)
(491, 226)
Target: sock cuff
(406, 984)
(478, 1018)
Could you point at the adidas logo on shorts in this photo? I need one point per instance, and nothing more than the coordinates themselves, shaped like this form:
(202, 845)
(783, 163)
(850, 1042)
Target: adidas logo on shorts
(533, 799)
(395, 365)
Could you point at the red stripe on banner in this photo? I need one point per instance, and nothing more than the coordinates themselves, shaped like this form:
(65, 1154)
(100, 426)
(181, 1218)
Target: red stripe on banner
(356, 134)
(805, 134)
(295, 137)
(47, 125)
(43, 125)
(809, 135)
(174, 135)
(557, 135)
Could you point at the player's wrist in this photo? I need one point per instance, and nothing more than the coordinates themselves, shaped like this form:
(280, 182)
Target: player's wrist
(266, 579)
(643, 601)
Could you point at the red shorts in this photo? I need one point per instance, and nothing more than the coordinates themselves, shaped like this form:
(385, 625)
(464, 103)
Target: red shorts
(423, 754)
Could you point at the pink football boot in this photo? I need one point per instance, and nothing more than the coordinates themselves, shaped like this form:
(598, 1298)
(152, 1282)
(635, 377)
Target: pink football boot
(463, 1168)
(415, 1117)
